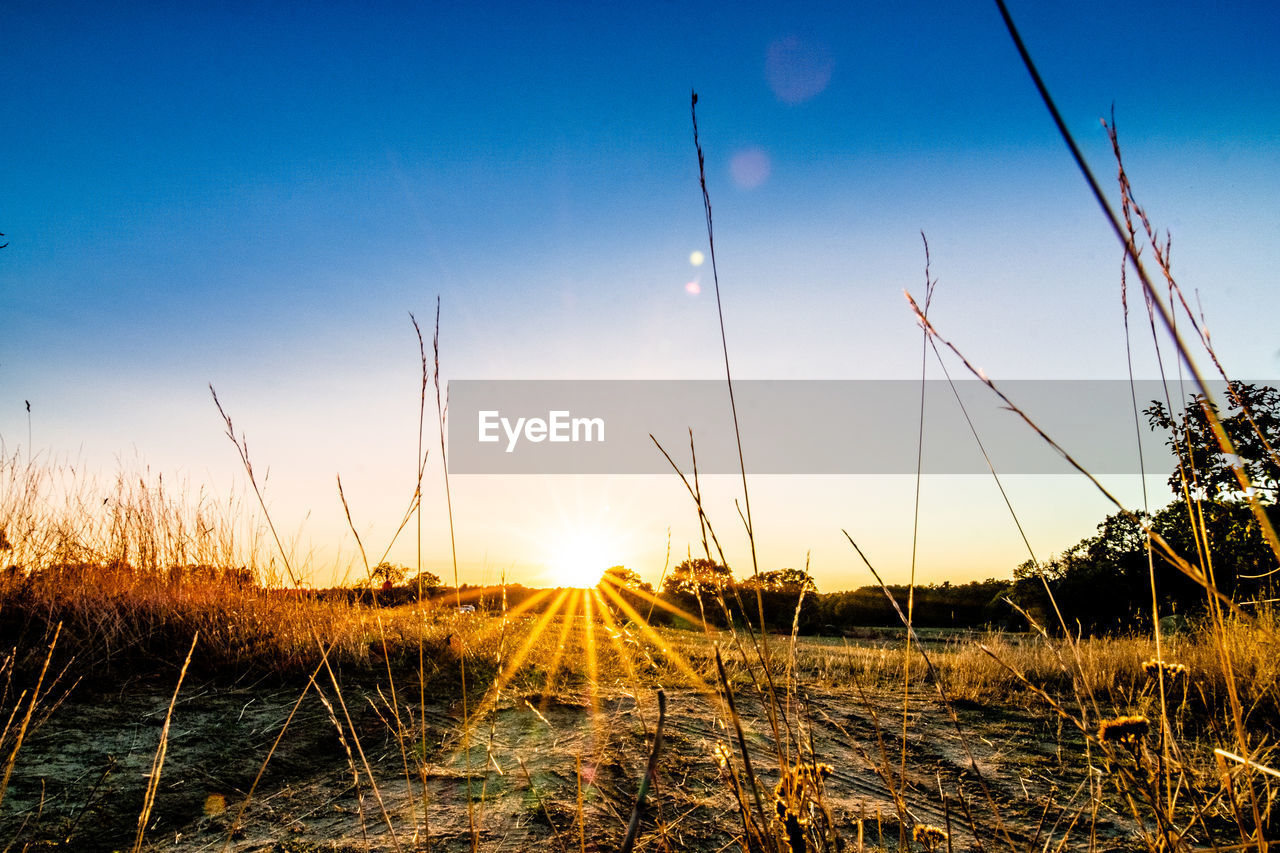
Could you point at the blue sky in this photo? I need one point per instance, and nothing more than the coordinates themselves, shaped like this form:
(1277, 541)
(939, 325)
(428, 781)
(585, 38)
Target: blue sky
(253, 198)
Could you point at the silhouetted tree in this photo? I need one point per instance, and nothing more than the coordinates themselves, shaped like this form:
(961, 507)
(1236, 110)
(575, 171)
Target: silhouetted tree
(388, 573)
(1251, 421)
(781, 580)
(1097, 583)
(1103, 582)
(430, 581)
(698, 576)
(623, 578)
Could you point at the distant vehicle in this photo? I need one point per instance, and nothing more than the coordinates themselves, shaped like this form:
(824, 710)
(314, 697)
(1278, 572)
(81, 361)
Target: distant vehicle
(467, 608)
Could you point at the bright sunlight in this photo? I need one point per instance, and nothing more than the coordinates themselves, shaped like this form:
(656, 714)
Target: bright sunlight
(579, 561)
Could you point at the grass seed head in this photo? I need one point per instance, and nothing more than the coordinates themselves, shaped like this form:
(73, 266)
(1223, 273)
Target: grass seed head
(930, 836)
(721, 753)
(1172, 671)
(1124, 730)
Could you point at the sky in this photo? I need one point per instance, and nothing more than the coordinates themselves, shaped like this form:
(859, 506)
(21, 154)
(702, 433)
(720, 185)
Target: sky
(257, 198)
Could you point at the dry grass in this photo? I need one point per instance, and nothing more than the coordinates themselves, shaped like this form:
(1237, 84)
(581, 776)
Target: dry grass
(1176, 734)
(120, 621)
(134, 575)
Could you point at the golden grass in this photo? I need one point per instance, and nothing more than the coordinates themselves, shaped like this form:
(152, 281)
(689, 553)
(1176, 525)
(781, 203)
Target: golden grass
(1176, 732)
(118, 619)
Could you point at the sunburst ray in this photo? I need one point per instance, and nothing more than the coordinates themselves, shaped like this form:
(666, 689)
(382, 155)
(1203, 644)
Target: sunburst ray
(646, 629)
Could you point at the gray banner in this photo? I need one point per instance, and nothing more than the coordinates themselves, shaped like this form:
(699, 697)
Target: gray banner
(802, 427)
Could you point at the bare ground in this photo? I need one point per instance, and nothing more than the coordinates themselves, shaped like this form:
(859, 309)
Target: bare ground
(79, 781)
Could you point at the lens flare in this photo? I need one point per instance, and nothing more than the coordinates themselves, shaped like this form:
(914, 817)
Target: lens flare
(750, 168)
(797, 70)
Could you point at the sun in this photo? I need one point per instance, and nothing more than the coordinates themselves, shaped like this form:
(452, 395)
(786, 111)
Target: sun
(579, 561)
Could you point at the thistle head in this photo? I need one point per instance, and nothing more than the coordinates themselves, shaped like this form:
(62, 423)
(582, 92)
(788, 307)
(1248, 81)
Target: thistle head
(930, 837)
(1124, 730)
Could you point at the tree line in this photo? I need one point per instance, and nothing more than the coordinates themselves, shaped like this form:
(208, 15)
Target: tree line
(1110, 582)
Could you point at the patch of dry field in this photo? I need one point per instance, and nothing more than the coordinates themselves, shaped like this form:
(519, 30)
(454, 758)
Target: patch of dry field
(80, 780)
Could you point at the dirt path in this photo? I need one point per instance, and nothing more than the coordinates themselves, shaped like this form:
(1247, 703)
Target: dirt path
(82, 775)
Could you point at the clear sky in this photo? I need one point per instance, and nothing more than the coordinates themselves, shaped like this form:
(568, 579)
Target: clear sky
(257, 197)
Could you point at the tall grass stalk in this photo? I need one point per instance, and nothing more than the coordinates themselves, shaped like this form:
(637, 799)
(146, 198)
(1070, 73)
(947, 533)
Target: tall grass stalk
(441, 408)
(420, 461)
(1164, 312)
(242, 448)
(762, 647)
(646, 782)
(237, 821)
(26, 717)
(915, 516)
(157, 764)
(1167, 318)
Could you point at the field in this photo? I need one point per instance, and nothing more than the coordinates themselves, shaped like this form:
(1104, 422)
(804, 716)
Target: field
(169, 680)
(269, 746)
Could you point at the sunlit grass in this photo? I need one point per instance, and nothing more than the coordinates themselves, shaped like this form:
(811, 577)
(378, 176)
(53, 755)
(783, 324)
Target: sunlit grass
(108, 591)
(593, 646)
